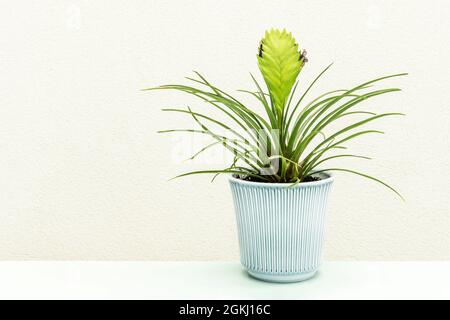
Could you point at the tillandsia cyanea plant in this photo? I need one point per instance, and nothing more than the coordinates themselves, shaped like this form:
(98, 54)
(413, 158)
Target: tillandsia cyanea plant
(289, 143)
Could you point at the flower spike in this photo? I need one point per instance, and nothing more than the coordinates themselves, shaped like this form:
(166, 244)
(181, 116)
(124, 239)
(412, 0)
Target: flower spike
(280, 61)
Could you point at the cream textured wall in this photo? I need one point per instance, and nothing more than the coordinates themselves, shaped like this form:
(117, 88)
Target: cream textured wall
(83, 174)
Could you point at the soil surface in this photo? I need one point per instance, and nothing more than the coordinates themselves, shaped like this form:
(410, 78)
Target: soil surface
(251, 179)
(311, 179)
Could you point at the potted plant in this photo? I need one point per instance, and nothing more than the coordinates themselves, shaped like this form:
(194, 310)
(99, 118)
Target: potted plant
(278, 177)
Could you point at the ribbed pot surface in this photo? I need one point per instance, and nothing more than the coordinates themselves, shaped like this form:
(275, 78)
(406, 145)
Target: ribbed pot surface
(281, 229)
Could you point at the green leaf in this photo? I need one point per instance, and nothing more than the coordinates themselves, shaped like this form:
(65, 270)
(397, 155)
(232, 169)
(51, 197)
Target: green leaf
(314, 164)
(304, 94)
(353, 126)
(365, 176)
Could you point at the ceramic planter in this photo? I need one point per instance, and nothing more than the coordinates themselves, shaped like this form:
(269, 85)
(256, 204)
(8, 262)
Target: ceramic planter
(281, 228)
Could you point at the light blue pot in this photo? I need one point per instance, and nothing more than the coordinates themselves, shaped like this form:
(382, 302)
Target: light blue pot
(281, 229)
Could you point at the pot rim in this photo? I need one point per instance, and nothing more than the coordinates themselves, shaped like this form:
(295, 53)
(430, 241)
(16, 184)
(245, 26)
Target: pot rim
(328, 178)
